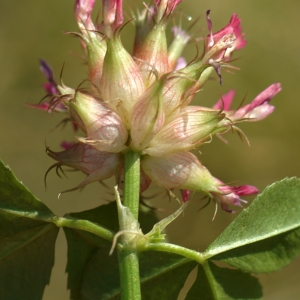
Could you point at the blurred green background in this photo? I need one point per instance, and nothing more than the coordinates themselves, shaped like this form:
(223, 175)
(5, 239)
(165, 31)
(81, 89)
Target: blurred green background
(33, 29)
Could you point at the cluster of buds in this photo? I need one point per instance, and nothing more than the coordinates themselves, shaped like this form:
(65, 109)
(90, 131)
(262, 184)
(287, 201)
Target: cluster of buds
(141, 101)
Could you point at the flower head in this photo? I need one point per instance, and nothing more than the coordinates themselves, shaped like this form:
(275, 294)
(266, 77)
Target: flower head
(140, 101)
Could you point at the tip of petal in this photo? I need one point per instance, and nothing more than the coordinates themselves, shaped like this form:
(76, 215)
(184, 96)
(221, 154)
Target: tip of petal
(235, 21)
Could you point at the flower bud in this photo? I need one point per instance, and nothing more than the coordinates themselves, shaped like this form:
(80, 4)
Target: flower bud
(51, 86)
(175, 49)
(98, 165)
(152, 55)
(179, 171)
(179, 87)
(105, 130)
(121, 84)
(92, 41)
(112, 15)
(143, 22)
(186, 132)
(96, 50)
(183, 171)
(147, 117)
(83, 10)
(164, 8)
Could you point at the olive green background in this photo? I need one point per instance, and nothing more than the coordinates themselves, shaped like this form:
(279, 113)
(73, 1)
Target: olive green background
(33, 29)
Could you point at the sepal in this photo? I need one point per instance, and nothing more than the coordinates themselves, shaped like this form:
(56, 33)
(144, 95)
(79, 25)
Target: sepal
(92, 41)
(179, 171)
(192, 127)
(147, 117)
(98, 165)
(152, 55)
(121, 84)
(104, 128)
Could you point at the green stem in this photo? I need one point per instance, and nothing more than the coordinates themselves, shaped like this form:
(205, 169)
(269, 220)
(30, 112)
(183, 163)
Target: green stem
(131, 195)
(171, 248)
(129, 274)
(84, 225)
(210, 279)
(66, 221)
(128, 258)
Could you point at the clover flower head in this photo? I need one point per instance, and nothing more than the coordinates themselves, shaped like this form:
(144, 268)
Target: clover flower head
(140, 101)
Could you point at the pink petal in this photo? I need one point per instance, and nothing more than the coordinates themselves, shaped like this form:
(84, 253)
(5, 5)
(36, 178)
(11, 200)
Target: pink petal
(261, 100)
(185, 194)
(225, 101)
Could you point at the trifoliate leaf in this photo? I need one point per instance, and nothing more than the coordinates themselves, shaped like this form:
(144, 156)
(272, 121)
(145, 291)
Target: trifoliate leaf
(266, 236)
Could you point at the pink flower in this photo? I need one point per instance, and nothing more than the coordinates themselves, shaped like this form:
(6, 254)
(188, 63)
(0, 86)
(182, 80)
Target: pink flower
(230, 195)
(239, 43)
(225, 40)
(52, 104)
(51, 86)
(257, 110)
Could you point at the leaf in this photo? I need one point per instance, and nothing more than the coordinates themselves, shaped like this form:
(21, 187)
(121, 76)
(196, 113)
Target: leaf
(82, 246)
(99, 277)
(26, 241)
(93, 274)
(163, 274)
(266, 236)
(213, 283)
(265, 256)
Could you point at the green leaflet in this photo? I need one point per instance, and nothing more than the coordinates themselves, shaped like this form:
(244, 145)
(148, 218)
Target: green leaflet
(266, 236)
(214, 283)
(27, 240)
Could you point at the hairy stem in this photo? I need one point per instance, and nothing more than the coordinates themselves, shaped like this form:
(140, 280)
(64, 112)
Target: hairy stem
(131, 193)
(128, 258)
(84, 225)
(171, 248)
